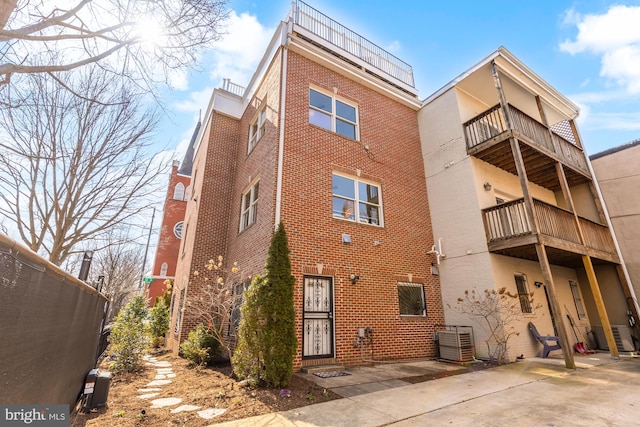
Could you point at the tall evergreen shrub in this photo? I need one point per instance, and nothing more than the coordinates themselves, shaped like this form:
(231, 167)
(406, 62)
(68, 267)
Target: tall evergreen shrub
(130, 336)
(267, 341)
(159, 321)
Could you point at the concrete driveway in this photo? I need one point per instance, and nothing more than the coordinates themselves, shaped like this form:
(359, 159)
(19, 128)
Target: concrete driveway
(533, 392)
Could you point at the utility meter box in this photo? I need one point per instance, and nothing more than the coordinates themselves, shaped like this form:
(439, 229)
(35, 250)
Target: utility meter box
(96, 390)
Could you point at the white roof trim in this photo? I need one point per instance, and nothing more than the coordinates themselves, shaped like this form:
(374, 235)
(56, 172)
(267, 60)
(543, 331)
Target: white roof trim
(501, 54)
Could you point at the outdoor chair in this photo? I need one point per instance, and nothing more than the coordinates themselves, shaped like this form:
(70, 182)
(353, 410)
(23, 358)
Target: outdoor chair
(545, 341)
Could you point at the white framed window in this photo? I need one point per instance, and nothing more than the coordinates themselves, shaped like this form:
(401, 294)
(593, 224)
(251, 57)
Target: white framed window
(187, 193)
(249, 209)
(523, 293)
(193, 185)
(334, 114)
(356, 200)
(184, 239)
(178, 191)
(256, 128)
(238, 298)
(180, 308)
(163, 269)
(411, 299)
(577, 300)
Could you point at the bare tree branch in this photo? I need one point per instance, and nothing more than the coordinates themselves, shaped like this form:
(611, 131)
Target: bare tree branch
(143, 40)
(120, 263)
(72, 168)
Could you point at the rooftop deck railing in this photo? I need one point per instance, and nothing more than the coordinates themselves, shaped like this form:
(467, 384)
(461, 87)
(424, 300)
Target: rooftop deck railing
(491, 123)
(232, 87)
(342, 37)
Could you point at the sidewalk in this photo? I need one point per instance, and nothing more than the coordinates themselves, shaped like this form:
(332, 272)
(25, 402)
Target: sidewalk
(600, 392)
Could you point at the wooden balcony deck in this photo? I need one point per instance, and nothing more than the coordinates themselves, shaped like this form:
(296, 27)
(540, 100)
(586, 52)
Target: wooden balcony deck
(509, 232)
(488, 138)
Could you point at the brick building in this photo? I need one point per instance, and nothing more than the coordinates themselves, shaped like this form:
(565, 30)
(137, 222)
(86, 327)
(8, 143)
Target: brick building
(166, 258)
(330, 138)
(325, 139)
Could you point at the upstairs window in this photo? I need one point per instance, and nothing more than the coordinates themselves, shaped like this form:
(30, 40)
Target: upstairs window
(163, 269)
(332, 114)
(249, 211)
(256, 129)
(356, 200)
(178, 191)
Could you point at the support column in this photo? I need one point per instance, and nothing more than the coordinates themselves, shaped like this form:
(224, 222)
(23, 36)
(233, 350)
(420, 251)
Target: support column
(597, 296)
(567, 350)
(503, 99)
(588, 266)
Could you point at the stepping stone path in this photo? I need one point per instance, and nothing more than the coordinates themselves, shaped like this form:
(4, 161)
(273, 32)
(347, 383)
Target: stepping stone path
(164, 374)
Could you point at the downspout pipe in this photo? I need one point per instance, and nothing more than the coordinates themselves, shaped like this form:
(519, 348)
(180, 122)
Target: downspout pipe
(283, 103)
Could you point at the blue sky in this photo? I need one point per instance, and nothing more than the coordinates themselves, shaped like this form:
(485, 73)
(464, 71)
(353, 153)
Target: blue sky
(588, 50)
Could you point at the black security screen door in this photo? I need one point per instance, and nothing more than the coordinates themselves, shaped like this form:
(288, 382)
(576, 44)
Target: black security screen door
(317, 318)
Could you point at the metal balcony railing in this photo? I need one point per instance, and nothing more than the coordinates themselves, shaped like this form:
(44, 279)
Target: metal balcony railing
(351, 42)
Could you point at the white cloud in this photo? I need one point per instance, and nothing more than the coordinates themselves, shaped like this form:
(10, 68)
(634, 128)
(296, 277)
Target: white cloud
(623, 65)
(599, 97)
(614, 121)
(237, 55)
(178, 79)
(166, 157)
(615, 36)
(196, 102)
(394, 46)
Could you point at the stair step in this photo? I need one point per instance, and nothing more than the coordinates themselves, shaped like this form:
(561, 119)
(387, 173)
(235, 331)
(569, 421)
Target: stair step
(321, 368)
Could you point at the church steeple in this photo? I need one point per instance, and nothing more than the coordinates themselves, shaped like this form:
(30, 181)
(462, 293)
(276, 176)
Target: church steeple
(187, 162)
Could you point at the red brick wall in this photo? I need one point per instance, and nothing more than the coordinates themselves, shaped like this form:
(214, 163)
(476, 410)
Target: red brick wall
(249, 247)
(206, 216)
(395, 162)
(311, 154)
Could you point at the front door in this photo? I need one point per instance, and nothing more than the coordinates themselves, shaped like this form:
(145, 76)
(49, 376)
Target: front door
(317, 318)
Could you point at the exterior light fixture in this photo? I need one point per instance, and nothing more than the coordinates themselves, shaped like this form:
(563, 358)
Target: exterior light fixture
(487, 186)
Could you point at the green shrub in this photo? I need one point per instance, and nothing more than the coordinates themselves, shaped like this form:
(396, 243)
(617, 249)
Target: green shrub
(200, 347)
(159, 322)
(267, 340)
(129, 336)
